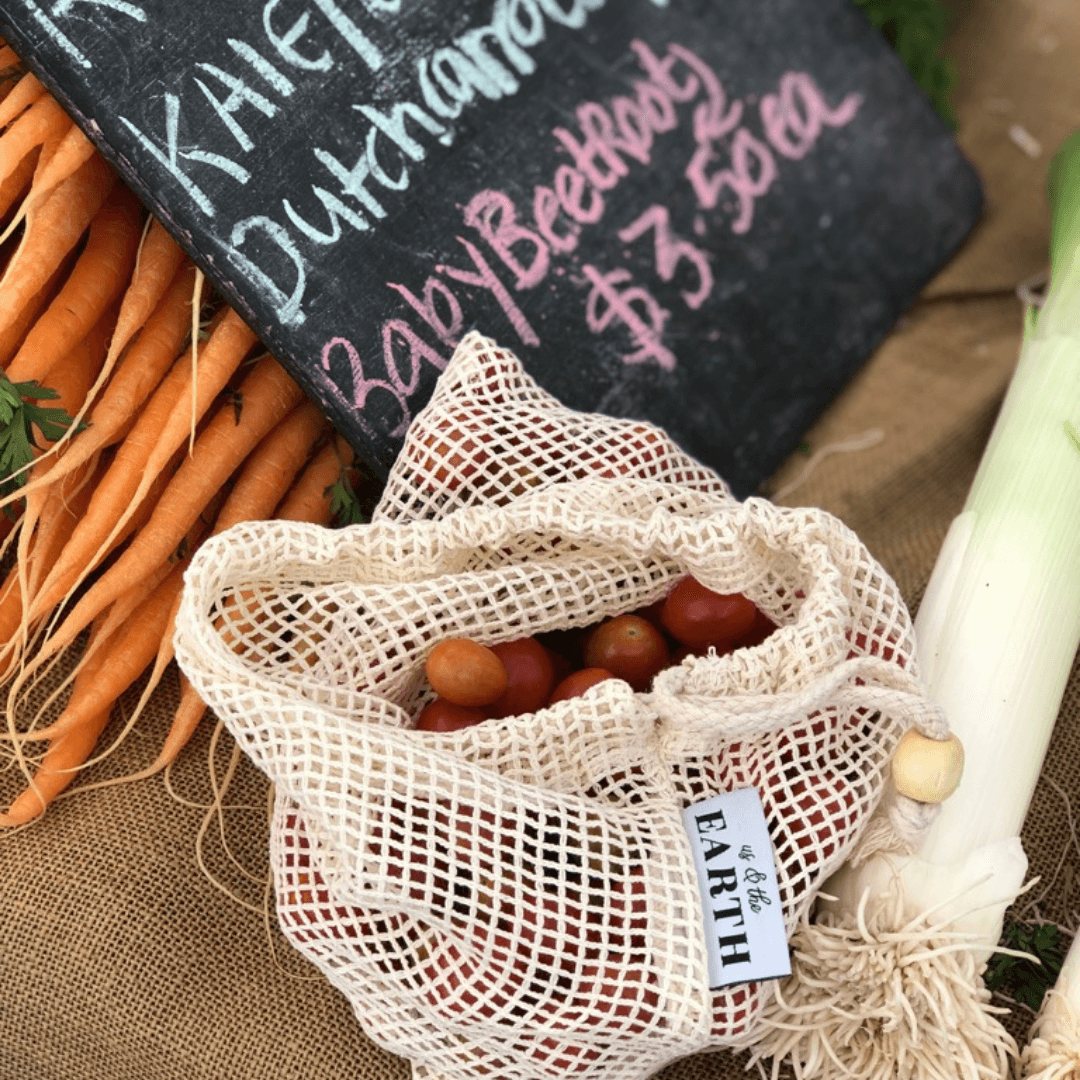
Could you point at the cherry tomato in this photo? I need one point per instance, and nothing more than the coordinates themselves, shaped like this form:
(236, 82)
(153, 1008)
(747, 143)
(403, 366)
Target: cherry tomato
(443, 715)
(872, 646)
(530, 677)
(699, 617)
(465, 672)
(628, 646)
(454, 454)
(566, 643)
(640, 452)
(652, 612)
(575, 684)
(456, 981)
(561, 667)
(760, 629)
(819, 815)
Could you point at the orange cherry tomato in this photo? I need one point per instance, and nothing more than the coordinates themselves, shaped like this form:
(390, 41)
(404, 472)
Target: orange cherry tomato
(530, 676)
(465, 672)
(443, 715)
(699, 617)
(628, 646)
(576, 683)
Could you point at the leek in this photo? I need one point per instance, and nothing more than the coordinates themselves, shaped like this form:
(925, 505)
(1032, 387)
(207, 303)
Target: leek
(997, 633)
(1054, 1050)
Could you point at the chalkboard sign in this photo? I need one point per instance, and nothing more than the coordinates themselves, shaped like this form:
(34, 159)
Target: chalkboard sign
(701, 213)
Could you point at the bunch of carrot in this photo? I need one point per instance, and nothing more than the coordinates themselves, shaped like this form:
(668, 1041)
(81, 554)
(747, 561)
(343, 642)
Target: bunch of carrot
(181, 429)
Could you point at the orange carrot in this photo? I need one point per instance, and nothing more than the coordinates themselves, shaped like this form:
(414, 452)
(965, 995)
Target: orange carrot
(70, 380)
(158, 262)
(57, 516)
(15, 329)
(262, 481)
(52, 231)
(64, 755)
(72, 497)
(95, 282)
(267, 395)
(26, 92)
(142, 457)
(218, 361)
(72, 151)
(309, 498)
(189, 712)
(43, 120)
(271, 467)
(136, 375)
(113, 499)
(17, 181)
(133, 638)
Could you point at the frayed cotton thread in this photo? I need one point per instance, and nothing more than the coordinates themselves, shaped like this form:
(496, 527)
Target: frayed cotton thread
(879, 995)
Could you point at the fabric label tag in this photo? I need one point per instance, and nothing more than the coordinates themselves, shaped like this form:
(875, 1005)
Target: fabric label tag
(740, 898)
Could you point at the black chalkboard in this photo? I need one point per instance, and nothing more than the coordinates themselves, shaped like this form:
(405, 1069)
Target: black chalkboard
(705, 213)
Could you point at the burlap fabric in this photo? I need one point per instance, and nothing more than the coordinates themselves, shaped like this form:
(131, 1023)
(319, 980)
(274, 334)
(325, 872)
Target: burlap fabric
(120, 961)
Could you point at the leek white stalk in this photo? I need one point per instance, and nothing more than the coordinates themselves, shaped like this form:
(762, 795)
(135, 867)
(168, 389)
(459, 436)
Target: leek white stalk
(1054, 1050)
(997, 633)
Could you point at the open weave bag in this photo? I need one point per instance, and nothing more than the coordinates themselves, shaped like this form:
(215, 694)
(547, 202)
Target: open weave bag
(518, 899)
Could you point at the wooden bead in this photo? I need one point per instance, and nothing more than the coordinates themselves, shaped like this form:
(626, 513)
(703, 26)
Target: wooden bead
(927, 770)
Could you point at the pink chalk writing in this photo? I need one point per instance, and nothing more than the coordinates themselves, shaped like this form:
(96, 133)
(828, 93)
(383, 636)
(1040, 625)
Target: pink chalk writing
(486, 278)
(606, 304)
(731, 168)
(447, 328)
(362, 385)
(793, 119)
(752, 172)
(670, 250)
(493, 215)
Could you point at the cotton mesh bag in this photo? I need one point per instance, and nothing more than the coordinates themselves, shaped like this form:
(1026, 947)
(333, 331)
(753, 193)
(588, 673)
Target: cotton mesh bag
(518, 900)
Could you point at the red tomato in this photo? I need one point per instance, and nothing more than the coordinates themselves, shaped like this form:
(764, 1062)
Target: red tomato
(872, 646)
(652, 612)
(809, 742)
(561, 667)
(628, 646)
(699, 617)
(575, 684)
(306, 911)
(566, 644)
(454, 454)
(530, 677)
(760, 629)
(443, 715)
(730, 1013)
(465, 672)
(619, 996)
(456, 982)
(640, 452)
(825, 816)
